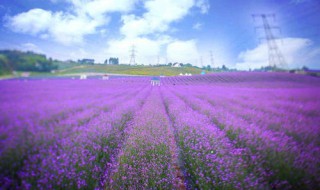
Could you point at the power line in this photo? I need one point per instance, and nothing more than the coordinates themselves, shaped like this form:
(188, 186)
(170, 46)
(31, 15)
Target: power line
(276, 59)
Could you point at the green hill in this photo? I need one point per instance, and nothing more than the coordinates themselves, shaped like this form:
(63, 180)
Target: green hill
(12, 60)
(130, 70)
(14, 63)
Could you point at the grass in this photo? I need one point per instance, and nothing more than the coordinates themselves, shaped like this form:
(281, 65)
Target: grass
(31, 74)
(112, 69)
(130, 70)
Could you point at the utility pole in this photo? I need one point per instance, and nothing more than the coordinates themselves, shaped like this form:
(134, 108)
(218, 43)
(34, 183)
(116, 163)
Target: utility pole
(276, 58)
(211, 59)
(132, 56)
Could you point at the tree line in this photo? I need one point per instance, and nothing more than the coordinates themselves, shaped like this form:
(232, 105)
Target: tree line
(14, 60)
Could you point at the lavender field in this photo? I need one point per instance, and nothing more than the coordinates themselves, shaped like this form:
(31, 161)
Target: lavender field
(217, 131)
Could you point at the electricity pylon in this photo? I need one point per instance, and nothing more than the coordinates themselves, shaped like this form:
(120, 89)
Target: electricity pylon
(276, 58)
(132, 56)
(211, 59)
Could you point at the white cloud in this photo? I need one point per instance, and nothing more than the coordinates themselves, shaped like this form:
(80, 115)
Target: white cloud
(34, 21)
(30, 47)
(296, 52)
(79, 54)
(183, 52)
(68, 27)
(146, 50)
(147, 30)
(62, 27)
(98, 9)
(219, 52)
(158, 17)
(155, 22)
(197, 26)
(203, 5)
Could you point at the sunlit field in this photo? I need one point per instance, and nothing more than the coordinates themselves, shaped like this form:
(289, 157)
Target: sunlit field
(217, 131)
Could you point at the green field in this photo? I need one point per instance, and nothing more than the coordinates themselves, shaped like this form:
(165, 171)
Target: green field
(130, 70)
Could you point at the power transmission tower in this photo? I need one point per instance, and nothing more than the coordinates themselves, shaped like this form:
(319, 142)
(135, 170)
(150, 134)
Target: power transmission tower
(201, 61)
(211, 59)
(132, 56)
(276, 58)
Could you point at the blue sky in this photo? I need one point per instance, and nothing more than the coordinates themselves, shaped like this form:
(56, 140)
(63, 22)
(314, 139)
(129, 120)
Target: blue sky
(164, 30)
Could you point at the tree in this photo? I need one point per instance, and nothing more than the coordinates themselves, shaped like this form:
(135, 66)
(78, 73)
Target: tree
(114, 61)
(27, 61)
(305, 68)
(224, 68)
(4, 66)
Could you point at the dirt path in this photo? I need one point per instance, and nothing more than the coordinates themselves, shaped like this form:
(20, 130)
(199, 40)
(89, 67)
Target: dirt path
(179, 177)
(180, 181)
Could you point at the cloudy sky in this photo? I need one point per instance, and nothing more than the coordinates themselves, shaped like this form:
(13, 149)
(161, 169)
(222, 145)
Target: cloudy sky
(164, 30)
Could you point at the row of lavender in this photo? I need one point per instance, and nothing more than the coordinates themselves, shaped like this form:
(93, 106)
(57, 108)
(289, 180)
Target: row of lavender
(240, 77)
(146, 162)
(62, 134)
(278, 128)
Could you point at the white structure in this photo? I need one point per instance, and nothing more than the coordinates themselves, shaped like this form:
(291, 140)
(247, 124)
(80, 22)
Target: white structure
(176, 65)
(83, 77)
(25, 74)
(105, 77)
(155, 81)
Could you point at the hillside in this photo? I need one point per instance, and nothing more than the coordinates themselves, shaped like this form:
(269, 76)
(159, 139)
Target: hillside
(130, 70)
(12, 60)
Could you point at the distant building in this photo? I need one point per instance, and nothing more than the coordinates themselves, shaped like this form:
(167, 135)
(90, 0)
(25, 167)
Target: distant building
(155, 81)
(86, 61)
(176, 65)
(310, 72)
(25, 74)
(83, 77)
(105, 77)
